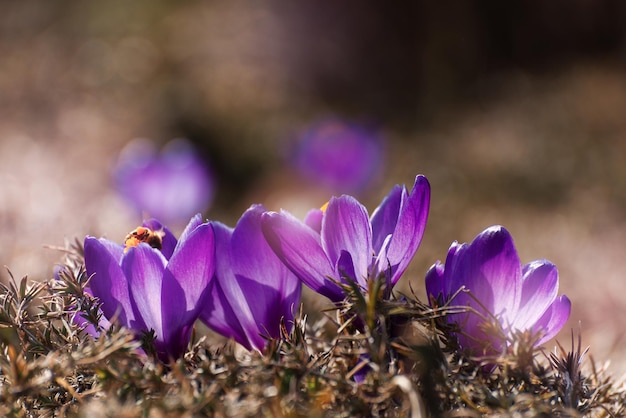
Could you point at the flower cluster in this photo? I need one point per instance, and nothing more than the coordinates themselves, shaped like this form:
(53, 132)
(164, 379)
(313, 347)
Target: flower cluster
(245, 282)
(154, 282)
(340, 243)
(487, 277)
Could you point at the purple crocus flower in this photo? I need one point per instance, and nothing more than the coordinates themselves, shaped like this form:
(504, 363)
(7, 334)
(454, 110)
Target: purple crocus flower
(342, 244)
(252, 289)
(170, 186)
(519, 297)
(345, 157)
(154, 282)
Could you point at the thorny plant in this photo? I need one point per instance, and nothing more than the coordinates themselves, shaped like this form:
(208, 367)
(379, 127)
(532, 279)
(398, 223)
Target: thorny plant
(383, 356)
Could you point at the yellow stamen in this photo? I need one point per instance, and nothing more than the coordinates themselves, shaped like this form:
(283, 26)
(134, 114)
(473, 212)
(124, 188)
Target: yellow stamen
(324, 207)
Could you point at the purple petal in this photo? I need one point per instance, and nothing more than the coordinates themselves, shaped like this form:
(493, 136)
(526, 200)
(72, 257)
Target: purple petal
(452, 276)
(435, 282)
(381, 265)
(88, 327)
(539, 290)
(314, 219)
(168, 240)
(219, 315)
(186, 280)
(451, 283)
(410, 227)
(554, 318)
(345, 267)
(346, 226)
(270, 288)
(218, 311)
(385, 216)
(299, 247)
(144, 267)
(108, 282)
(192, 264)
(194, 223)
(490, 269)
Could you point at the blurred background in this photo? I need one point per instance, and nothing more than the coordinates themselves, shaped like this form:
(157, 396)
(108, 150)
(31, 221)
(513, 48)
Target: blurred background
(515, 111)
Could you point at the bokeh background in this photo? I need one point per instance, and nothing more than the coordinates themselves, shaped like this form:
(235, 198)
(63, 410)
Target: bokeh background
(515, 111)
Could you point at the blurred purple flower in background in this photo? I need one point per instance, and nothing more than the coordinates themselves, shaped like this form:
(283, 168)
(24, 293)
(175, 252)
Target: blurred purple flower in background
(342, 156)
(252, 289)
(520, 297)
(171, 186)
(341, 243)
(154, 282)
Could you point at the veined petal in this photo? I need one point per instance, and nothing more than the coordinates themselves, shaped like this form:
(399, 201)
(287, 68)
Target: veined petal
(539, 289)
(409, 230)
(168, 240)
(345, 267)
(346, 226)
(490, 268)
(381, 262)
(219, 315)
(186, 279)
(299, 247)
(452, 279)
(192, 265)
(269, 287)
(252, 256)
(108, 281)
(554, 318)
(116, 250)
(144, 267)
(385, 216)
(226, 305)
(194, 223)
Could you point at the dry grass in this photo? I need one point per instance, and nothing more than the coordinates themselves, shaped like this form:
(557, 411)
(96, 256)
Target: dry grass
(386, 357)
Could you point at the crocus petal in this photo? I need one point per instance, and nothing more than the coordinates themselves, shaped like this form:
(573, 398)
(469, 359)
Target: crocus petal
(299, 247)
(144, 267)
(219, 315)
(168, 240)
(185, 281)
(435, 281)
(490, 269)
(554, 318)
(108, 282)
(409, 230)
(381, 263)
(218, 311)
(539, 289)
(314, 219)
(345, 267)
(192, 265)
(451, 282)
(346, 226)
(271, 289)
(520, 298)
(385, 216)
(194, 223)
(88, 327)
